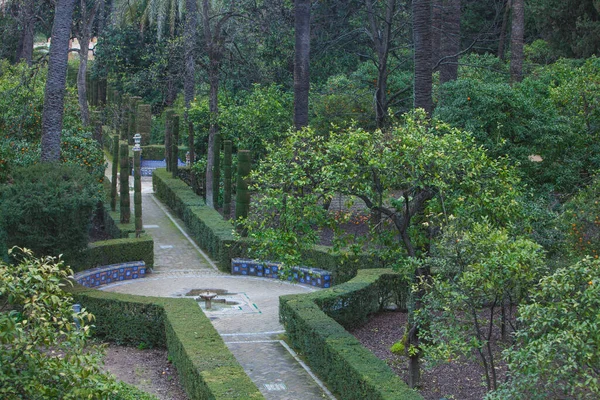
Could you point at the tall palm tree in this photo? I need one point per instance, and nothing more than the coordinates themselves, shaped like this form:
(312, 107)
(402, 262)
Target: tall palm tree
(82, 28)
(422, 54)
(52, 116)
(516, 40)
(301, 62)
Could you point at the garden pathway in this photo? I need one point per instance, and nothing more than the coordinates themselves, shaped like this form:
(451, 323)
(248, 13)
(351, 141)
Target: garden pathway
(250, 328)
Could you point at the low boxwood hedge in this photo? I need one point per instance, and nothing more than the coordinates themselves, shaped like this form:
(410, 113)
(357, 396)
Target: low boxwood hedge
(116, 251)
(314, 326)
(157, 152)
(206, 367)
(215, 235)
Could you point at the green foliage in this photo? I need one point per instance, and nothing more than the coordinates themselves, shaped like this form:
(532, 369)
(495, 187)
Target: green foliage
(21, 100)
(349, 369)
(343, 101)
(48, 208)
(556, 353)
(115, 251)
(80, 148)
(43, 354)
(478, 275)
(417, 175)
(157, 152)
(571, 27)
(261, 116)
(204, 364)
(581, 222)
(552, 114)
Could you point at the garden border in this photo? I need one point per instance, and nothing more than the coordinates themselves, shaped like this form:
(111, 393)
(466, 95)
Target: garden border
(313, 323)
(206, 367)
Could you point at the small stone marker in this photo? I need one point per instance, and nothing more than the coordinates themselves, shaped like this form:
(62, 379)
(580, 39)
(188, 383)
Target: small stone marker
(275, 387)
(150, 226)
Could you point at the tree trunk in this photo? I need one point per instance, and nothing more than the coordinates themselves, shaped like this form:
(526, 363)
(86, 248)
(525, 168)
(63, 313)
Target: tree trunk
(437, 8)
(301, 62)
(516, 41)
(450, 42)
(84, 47)
(214, 129)
(189, 83)
(27, 18)
(422, 54)
(502, 39)
(52, 117)
(381, 36)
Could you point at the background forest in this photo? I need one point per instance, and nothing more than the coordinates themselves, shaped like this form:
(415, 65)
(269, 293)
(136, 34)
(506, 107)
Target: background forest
(468, 131)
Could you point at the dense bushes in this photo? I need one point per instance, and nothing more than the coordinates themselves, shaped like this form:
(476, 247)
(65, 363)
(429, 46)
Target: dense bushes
(48, 209)
(206, 367)
(44, 356)
(312, 323)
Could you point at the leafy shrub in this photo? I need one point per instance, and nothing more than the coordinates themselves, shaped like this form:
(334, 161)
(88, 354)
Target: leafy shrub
(48, 208)
(43, 354)
(556, 353)
(581, 221)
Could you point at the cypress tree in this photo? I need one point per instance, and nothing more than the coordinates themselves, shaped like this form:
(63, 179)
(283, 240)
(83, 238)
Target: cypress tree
(227, 179)
(125, 204)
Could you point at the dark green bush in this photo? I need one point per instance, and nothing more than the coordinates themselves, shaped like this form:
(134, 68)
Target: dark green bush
(48, 208)
(312, 322)
(206, 367)
(157, 152)
(115, 251)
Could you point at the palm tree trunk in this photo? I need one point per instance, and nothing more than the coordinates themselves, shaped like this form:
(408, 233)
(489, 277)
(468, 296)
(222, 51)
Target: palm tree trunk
(54, 94)
(516, 41)
(422, 54)
(502, 40)
(450, 42)
(189, 83)
(27, 18)
(301, 62)
(84, 47)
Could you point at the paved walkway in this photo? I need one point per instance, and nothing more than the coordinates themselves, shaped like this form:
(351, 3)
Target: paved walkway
(248, 321)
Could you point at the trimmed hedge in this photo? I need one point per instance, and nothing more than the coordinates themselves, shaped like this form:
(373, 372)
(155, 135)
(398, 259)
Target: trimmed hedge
(205, 365)
(206, 225)
(216, 235)
(157, 152)
(116, 251)
(312, 322)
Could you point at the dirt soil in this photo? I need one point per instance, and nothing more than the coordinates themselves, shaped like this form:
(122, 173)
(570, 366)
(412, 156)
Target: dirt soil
(459, 379)
(148, 370)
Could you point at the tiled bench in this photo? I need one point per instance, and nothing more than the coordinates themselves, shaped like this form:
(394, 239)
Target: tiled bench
(147, 166)
(111, 273)
(304, 275)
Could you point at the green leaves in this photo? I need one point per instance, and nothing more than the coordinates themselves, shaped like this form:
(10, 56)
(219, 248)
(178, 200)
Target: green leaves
(557, 348)
(43, 354)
